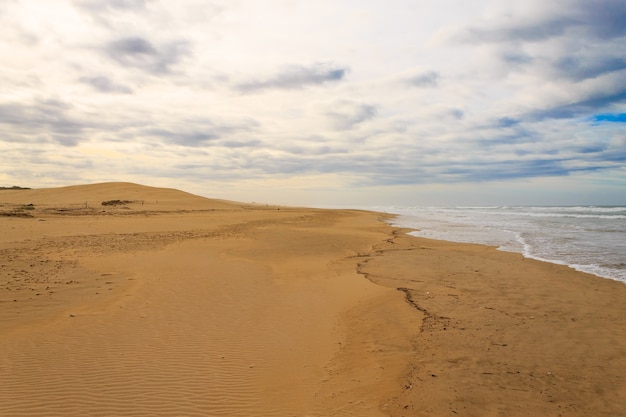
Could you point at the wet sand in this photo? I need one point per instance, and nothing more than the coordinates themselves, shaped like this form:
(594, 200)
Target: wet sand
(163, 303)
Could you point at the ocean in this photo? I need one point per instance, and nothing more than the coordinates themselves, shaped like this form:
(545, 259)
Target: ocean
(587, 238)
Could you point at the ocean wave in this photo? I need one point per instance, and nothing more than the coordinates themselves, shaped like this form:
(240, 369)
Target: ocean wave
(591, 239)
(609, 213)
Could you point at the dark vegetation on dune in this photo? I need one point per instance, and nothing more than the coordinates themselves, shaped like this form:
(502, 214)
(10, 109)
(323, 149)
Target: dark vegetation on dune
(15, 187)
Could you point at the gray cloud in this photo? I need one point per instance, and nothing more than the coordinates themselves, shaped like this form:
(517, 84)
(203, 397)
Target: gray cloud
(426, 79)
(456, 113)
(577, 48)
(297, 77)
(62, 162)
(205, 132)
(110, 13)
(522, 148)
(480, 169)
(117, 16)
(516, 57)
(40, 122)
(140, 53)
(188, 138)
(507, 122)
(344, 116)
(581, 41)
(240, 143)
(578, 68)
(594, 103)
(528, 31)
(132, 46)
(55, 121)
(605, 19)
(108, 5)
(602, 19)
(105, 84)
(483, 171)
(316, 149)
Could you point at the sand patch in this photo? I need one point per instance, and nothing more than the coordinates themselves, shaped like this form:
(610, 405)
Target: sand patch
(169, 304)
(504, 335)
(241, 312)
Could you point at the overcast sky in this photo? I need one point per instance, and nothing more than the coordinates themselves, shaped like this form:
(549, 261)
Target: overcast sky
(319, 102)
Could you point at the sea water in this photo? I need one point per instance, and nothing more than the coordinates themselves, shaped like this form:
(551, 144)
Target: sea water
(587, 238)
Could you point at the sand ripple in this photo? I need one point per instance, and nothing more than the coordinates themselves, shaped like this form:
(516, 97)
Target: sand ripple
(194, 338)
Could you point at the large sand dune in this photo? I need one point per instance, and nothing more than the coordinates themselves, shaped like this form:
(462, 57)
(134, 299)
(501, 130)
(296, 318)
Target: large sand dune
(92, 196)
(162, 303)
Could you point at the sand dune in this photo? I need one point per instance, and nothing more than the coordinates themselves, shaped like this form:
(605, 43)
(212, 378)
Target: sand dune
(92, 196)
(170, 304)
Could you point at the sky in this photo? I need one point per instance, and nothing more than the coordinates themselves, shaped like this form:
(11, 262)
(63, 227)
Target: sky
(326, 102)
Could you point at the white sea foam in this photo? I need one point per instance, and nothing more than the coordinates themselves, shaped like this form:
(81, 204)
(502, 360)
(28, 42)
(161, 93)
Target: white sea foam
(588, 238)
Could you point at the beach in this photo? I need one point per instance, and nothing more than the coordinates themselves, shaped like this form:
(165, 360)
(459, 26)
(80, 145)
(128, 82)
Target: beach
(119, 299)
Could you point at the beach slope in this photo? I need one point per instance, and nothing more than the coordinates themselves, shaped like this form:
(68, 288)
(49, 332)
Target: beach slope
(126, 300)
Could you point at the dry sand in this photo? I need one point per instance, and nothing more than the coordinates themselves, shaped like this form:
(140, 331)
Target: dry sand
(169, 304)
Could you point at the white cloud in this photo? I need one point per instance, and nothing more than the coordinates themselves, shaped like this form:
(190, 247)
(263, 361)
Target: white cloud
(322, 95)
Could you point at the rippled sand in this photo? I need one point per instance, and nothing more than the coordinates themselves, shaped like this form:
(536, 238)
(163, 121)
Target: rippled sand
(168, 304)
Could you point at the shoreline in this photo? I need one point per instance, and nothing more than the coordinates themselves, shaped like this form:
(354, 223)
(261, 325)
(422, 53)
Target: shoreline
(584, 238)
(200, 307)
(544, 340)
(525, 255)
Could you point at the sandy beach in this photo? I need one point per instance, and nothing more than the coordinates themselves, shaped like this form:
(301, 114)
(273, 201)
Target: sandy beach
(119, 299)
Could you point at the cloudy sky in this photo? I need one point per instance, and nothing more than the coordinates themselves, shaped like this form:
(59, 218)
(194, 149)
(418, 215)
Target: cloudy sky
(319, 102)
